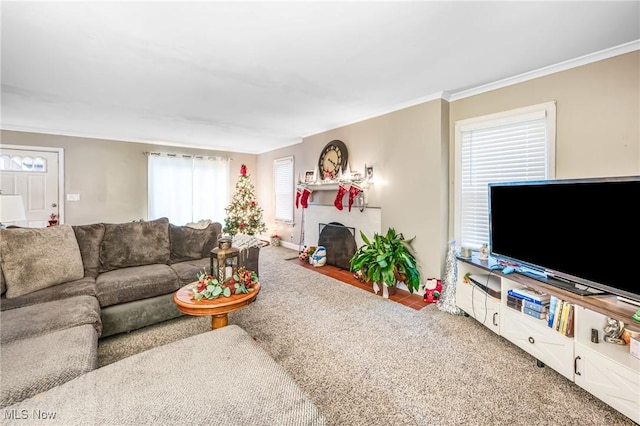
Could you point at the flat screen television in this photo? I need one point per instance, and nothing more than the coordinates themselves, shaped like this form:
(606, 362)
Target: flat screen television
(584, 232)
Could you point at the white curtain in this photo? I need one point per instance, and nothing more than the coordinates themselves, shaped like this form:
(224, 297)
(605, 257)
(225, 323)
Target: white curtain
(187, 189)
(211, 186)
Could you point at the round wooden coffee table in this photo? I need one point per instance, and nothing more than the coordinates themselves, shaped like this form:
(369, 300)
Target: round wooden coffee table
(217, 308)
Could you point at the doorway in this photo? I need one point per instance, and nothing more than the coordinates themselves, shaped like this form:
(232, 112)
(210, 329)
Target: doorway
(37, 174)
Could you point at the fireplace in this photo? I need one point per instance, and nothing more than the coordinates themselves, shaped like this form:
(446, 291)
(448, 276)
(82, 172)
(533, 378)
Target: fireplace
(316, 216)
(340, 242)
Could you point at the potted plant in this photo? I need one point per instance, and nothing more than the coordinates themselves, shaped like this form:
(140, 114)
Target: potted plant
(387, 259)
(275, 239)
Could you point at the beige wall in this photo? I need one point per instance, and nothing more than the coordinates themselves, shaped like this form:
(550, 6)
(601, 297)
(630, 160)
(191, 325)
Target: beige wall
(110, 176)
(406, 149)
(412, 150)
(597, 116)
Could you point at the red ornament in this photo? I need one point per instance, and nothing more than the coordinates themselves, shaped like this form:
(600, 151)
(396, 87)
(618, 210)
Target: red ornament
(241, 225)
(243, 170)
(253, 204)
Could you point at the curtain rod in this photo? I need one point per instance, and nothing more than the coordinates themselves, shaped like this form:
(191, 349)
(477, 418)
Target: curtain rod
(202, 157)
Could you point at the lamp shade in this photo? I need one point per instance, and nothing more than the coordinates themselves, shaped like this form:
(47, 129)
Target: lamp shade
(11, 208)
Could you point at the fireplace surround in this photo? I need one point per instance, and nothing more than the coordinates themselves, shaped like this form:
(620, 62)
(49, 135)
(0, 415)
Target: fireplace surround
(340, 242)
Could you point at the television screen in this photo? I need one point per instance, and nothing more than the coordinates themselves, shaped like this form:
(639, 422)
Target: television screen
(586, 230)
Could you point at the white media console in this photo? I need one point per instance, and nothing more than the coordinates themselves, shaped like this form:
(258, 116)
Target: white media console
(607, 371)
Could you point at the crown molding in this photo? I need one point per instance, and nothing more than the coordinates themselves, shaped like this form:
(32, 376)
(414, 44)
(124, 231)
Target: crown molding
(562, 66)
(387, 110)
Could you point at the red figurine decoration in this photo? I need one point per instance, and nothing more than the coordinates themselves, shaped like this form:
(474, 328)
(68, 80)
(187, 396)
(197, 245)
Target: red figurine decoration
(243, 170)
(432, 290)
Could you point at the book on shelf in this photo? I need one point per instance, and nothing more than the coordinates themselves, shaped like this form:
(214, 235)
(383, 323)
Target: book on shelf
(530, 295)
(535, 314)
(558, 314)
(562, 328)
(514, 301)
(535, 306)
(569, 329)
(552, 310)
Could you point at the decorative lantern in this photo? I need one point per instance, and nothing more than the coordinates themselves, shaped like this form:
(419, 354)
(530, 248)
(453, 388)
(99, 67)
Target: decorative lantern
(224, 260)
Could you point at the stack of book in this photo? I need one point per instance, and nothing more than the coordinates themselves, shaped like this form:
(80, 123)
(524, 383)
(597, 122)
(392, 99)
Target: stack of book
(561, 316)
(529, 302)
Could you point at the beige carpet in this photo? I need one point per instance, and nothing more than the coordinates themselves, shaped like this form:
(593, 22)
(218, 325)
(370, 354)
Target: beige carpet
(364, 360)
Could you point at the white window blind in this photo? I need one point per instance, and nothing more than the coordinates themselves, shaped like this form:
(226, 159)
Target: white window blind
(509, 147)
(187, 189)
(283, 189)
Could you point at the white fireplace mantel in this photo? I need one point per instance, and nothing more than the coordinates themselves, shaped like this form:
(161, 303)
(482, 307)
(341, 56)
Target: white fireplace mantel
(368, 221)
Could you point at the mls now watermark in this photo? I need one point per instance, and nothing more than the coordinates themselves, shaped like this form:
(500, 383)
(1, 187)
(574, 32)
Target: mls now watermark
(29, 414)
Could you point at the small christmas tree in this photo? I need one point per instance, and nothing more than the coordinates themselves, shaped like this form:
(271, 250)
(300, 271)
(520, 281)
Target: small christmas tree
(243, 214)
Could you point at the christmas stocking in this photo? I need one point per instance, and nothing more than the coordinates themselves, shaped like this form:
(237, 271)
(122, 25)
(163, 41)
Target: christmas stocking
(341, 191)
(298, 195)
(353, 193)
(304, 199)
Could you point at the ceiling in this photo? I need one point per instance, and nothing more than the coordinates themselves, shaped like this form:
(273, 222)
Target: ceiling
(255, 76)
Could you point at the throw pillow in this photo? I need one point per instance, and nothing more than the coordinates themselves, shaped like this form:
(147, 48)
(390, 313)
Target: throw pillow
(189, 243)
(89, 239)
(37, 258)
(135, 244)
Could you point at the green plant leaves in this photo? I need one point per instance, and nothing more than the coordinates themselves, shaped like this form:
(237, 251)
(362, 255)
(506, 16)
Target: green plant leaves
(381, 257)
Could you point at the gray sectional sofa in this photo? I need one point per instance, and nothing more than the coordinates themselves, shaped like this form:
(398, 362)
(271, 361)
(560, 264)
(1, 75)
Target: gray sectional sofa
(64, 287)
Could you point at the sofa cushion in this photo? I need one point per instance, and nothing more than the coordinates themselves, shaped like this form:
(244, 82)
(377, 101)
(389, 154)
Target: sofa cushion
(137, 282)
(83, 286)
(34, 365)
(189, 243)
(3, 286)
(136, 314)
(43, 318)
(135, 244)
(37, 258)
(89, 240)
(188, 271)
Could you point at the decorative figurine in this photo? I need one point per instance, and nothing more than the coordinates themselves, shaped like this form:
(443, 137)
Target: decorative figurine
(613, 331)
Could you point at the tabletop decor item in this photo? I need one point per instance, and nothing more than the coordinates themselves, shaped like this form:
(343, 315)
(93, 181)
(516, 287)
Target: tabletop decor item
(306, 253)
(209, 287)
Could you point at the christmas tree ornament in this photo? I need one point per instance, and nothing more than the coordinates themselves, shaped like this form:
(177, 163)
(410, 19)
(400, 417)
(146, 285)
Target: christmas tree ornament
(353, 193)
(244, 216)
(342, 189)
(304, 200)
(447, 300)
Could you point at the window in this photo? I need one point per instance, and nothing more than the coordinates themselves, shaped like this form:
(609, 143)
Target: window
(283, 189)
(23, 163)
(517, 145)
(187, 188)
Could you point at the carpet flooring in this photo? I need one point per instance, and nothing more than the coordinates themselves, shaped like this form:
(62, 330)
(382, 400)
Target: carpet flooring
(365, 360)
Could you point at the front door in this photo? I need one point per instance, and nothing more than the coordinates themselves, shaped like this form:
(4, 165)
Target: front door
(34, 174)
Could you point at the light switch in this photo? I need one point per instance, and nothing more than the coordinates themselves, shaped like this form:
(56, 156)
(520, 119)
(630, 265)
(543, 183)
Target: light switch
(73, 197)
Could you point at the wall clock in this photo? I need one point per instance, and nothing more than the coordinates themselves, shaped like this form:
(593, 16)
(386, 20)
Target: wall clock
(333, 158)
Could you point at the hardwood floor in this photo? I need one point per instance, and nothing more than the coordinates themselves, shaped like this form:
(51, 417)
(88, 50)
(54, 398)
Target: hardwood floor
(413, 301)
